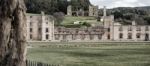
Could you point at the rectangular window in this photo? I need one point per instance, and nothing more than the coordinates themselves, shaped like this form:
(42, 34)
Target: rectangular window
(47, 30)
(120, 35)
(47, 37)
(129, 35)
(108, 29)
(31, 24)
(39, 30)
(146, 37)
(99, 37)
(138, 35)
(30, 36)
(91, 37)
(31, 30)
(108, 36)
(74, 37)
(64, 37)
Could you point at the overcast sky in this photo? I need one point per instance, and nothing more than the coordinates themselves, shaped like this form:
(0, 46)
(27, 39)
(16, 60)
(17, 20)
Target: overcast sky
(120, 3)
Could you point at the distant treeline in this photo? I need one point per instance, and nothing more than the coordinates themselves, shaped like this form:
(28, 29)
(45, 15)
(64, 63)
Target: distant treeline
(126, 15)
(52, 6)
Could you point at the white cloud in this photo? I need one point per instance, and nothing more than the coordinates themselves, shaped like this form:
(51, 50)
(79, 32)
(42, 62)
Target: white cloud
(120, 3)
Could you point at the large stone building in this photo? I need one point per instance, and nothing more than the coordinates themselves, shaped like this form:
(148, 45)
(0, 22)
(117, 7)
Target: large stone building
(77, 11)
(41, 28)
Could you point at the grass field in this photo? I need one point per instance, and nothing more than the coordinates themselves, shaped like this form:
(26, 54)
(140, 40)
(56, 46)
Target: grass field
(99, 55)
(71, 20)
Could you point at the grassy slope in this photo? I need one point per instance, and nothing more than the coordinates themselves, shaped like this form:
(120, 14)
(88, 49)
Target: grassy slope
(70, 20)
(106, 55)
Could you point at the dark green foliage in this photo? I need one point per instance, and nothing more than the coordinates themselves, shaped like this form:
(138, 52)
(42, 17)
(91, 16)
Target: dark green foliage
(72, 26)
(126, 15)
(118, 14)
(129, 16)
(84, 4)
(86, 24)
(52, 6)
(48, 6)
(147, 19)
(59, 17)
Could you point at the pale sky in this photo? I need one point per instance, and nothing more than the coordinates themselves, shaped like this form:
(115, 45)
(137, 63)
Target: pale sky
(120, 3)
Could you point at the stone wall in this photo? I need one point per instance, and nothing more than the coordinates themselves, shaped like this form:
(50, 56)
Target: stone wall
(134, 31)
(76, 11)
(93, 10)
(38, 26)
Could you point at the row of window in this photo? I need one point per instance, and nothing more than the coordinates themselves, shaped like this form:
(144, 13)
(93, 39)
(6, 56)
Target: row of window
(47, 36)
(138, 35)
(137, 29)
(74, 37)
(47, 30)
(31, 24)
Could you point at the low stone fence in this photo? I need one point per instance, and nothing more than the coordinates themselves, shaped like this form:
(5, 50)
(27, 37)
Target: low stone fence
(33, 63)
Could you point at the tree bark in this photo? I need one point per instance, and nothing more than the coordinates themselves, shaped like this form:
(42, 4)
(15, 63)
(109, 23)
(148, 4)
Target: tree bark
(12, 33)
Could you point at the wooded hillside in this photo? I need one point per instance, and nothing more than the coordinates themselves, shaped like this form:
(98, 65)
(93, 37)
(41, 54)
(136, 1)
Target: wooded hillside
(51, 6)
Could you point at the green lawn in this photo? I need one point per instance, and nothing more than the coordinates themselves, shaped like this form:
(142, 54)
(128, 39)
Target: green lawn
(102, 55)
(71, 20)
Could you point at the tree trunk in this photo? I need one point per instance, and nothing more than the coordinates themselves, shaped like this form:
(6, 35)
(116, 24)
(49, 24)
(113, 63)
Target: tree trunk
(12, 33)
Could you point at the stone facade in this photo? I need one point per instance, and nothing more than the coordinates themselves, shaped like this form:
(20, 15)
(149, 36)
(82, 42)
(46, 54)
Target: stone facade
(131, 32)
(77, 11)
(40, 27)
(93, 10)
(79, 34)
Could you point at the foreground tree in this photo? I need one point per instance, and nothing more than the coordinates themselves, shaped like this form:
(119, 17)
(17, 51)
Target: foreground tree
(12, 32)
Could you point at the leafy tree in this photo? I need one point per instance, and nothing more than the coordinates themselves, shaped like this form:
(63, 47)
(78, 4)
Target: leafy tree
(59, 17)
(147, 19)
(48, 6)
(118, 14)
(52, 6)
(86, 24)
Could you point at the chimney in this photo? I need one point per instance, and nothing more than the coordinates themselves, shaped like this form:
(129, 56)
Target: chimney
(104, 11)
